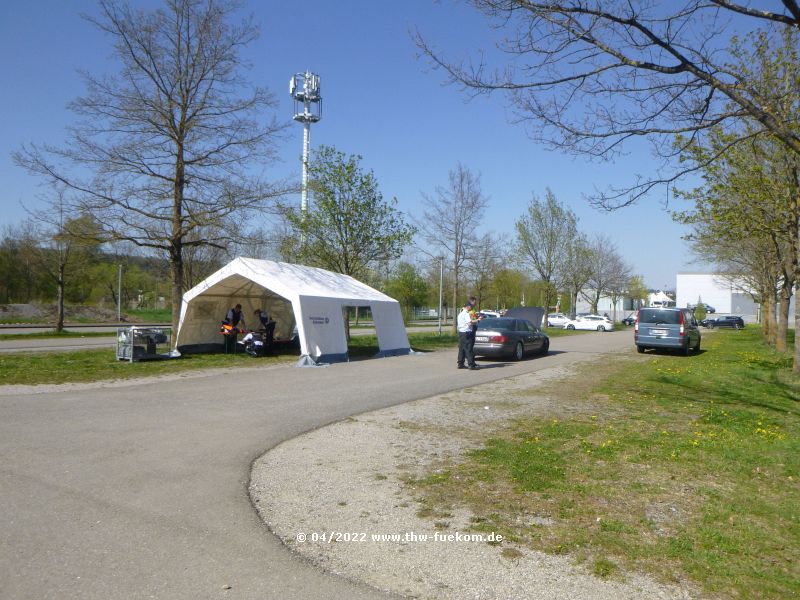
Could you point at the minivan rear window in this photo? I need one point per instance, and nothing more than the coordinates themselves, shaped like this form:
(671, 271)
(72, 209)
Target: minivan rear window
(656, 315)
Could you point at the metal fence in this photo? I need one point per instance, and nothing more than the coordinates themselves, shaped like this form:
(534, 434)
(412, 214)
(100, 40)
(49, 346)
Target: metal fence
(143, 343)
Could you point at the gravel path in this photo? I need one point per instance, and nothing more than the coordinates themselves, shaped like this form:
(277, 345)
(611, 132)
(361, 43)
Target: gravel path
(346, 479)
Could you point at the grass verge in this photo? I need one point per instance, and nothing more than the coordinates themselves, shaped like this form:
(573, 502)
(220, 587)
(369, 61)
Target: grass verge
(366, 346)
(35, 368)
(684, 468)
(143, 315)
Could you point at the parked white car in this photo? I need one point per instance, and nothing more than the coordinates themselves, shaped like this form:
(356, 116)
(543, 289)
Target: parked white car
(490, 314)
(556, 319)
(590, 322)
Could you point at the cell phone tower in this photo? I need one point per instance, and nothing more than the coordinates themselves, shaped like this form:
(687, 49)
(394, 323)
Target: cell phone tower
(304, 89)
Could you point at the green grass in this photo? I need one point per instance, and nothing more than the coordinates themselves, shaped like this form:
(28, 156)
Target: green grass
(553, 332)
(366, 346)
(163, 315)
(680, 467)
(33, 368)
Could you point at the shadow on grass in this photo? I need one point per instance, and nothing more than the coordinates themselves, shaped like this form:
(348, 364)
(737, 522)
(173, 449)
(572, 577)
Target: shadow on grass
(731, 396)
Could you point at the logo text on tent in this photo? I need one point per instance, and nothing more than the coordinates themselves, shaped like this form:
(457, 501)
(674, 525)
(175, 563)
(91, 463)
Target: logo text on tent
(319, 320)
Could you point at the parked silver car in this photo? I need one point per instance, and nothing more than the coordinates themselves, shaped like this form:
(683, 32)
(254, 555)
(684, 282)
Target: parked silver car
(668, 328)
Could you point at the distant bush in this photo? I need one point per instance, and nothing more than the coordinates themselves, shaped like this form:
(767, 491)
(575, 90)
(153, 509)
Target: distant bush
(700, 310)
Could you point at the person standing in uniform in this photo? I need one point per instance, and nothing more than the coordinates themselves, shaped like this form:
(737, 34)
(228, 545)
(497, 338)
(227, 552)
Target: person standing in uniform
(233, 317)
(475, 316)
(267, 326)
(466, 335)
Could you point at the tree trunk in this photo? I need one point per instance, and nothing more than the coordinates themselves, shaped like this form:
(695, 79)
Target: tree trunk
(60, 299)
(176, 274)
(547, 299)
(346, 323)
(573, 302)
(456, 307)
(596, 302)
(796, 368)
(769, 318)
(176, 242)
(614, 300)
(783, 318)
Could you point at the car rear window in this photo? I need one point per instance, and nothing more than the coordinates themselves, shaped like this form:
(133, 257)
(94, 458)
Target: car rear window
(496, 323)
(656, 315)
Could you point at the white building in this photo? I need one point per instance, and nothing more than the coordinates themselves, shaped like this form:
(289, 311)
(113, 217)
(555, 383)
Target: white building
(725, 296)
(624, 306)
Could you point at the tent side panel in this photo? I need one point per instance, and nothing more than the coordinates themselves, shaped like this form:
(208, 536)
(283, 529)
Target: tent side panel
(392, 336)
(201, 321)
(321, 329)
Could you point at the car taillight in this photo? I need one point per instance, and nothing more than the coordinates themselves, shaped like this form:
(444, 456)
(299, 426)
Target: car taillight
(498, 339)
(636, 324)
(681, 313)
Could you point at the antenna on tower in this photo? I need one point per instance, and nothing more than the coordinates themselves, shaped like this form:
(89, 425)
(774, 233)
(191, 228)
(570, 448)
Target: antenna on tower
(305, 90)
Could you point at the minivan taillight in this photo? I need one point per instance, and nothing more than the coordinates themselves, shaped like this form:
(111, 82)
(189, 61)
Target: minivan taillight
(681, 313)
(636, 324)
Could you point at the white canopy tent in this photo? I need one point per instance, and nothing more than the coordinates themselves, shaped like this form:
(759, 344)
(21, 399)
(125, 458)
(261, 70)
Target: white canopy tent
(312, 299)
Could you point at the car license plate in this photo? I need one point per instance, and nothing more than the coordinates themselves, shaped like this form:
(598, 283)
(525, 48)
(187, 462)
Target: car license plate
(658, 332)
(481, 338)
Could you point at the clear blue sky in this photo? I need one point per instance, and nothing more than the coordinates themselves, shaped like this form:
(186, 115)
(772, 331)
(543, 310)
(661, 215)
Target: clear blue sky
(379, 101)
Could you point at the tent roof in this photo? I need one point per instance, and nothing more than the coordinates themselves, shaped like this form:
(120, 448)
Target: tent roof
(245, 277)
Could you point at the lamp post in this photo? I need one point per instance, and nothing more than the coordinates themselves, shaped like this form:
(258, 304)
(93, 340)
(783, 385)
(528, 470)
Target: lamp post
(441, 280)
(119, 295)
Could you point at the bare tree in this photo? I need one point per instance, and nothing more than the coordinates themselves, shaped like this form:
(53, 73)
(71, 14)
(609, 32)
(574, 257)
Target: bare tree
(484, 261)
(200, 260)
(169, 139)
(586, 76)
(608, 272)
(619, 283)
(59, 242)
(54, 248)
(576, 268)
(451, 220)
(543, 236)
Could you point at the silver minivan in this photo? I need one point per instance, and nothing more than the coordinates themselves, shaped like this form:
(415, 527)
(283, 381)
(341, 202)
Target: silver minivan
(668, 328)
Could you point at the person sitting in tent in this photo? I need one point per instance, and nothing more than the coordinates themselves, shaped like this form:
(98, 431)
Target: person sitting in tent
(254, 344)
(267, 326)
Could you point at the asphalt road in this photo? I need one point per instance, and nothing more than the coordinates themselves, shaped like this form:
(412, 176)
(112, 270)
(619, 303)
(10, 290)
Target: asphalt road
(140, 491)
